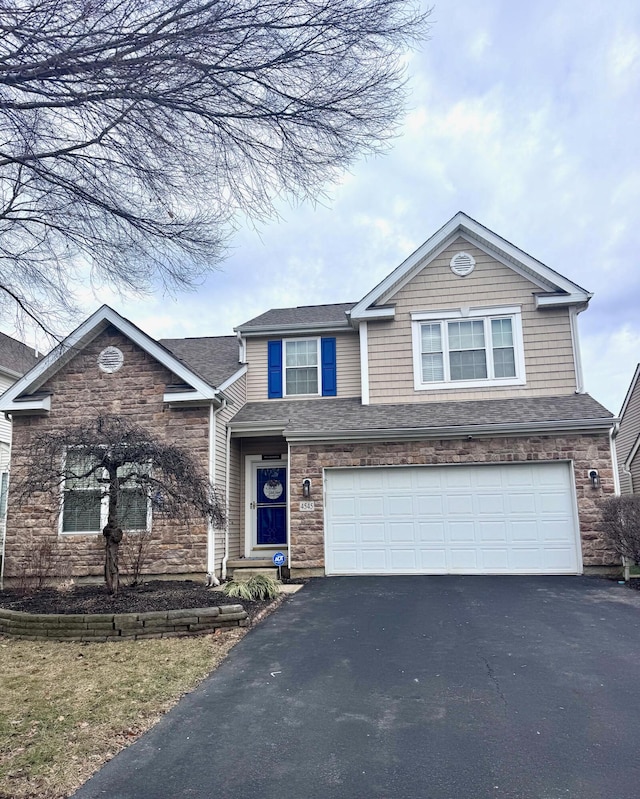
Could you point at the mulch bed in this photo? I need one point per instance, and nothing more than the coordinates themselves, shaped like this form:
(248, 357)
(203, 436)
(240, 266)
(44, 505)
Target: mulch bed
(155, 595)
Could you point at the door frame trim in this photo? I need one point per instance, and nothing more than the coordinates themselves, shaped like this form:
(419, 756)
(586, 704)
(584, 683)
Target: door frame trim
(251, 463)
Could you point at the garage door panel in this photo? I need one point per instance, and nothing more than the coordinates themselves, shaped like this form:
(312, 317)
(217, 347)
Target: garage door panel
(490, 504)
(493, 518)
(492, 531)
(374, 561)
(495, 560)
(429, 505)
(372, 533)
(400, 506)
(459, 504)
(431, 531)
(401, 531)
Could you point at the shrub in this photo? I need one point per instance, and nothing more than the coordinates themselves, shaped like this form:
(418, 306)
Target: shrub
(621, 525)
(260, 586)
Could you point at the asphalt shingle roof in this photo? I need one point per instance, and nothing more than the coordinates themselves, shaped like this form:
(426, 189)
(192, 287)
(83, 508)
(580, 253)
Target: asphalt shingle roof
(16, 356)
(213, 358)
(303, 315)
(348, 414)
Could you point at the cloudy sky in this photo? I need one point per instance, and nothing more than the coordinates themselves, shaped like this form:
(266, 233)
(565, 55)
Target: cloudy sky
(525, 115)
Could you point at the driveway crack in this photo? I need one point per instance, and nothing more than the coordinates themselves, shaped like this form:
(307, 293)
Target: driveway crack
(494, 679)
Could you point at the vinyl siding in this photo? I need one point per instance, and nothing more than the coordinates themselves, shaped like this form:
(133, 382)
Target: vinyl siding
(236, 392)
(5, 425)
(347, 358)
(546, 334)
(626, 438)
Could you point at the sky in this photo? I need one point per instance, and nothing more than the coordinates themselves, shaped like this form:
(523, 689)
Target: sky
(524, 115)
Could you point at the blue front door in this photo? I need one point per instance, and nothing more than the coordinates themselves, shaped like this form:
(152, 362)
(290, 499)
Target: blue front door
(271, 506)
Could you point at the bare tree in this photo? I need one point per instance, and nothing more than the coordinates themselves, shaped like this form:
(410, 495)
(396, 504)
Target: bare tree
(621, 525)
(114, 461)
(135, 135)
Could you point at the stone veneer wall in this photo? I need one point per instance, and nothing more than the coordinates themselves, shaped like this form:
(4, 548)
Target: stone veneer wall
(81, 391)
(586, 451)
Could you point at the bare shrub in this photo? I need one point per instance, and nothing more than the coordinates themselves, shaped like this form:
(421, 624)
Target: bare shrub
(621, 525)
(134, 552)
(41, 563)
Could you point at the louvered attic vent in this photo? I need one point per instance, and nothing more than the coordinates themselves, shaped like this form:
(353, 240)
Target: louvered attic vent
(110, 360)
(462, 264)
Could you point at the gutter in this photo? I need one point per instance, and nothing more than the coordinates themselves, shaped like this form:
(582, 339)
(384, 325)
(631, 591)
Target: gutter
(387, 434)
(279, 330)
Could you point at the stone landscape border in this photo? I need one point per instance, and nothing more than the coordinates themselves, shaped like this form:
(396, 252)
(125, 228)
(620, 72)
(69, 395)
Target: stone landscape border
(98, 627)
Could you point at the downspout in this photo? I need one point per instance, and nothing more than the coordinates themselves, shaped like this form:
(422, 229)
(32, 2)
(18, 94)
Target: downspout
(211, 531)
(289, 507)
(6, 511)
(223, 570)
(614, 458)
(575, 343)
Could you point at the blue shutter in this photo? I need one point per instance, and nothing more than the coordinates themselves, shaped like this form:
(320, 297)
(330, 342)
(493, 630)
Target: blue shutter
(328, 354)
(274, 349)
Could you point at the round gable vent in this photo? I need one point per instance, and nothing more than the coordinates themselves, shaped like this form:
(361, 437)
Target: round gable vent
(110, 360)
(462, 264)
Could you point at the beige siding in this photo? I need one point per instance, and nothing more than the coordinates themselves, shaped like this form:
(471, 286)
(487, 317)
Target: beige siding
(237, 393)
(626, 438)
(547, 334)
(347, 358)
(5, 425)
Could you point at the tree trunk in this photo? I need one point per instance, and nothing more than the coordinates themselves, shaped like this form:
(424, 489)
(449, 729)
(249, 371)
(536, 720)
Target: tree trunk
(113, 536)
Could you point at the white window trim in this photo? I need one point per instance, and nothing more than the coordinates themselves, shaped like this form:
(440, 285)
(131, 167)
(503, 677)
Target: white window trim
(514, 312)
(285, 341)
(104, 515)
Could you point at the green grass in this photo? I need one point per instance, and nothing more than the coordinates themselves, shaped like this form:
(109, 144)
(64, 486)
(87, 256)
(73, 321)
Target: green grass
(66, 708)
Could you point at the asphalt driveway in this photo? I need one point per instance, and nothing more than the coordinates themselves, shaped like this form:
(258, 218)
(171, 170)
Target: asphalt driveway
(415, 688)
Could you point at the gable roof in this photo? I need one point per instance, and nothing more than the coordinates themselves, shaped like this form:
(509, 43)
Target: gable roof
(319, 317)
(16, 358)
(348, 418)
(554, 288)
(22, 395)
(630, 390)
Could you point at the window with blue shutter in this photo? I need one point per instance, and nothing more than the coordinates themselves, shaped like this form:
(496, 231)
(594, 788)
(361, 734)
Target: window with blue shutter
(274, 351)
(328, 355)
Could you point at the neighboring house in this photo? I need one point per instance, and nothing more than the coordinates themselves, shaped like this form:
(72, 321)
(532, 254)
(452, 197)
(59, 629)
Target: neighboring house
(627, 439)
(438, 425)
(15, 359)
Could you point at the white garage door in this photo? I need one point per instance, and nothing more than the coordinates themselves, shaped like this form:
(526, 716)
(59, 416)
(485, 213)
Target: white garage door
(494, 519)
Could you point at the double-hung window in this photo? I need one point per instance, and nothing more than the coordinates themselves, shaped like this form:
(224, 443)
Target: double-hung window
(301, 366)
(468, 348)
(85, 502)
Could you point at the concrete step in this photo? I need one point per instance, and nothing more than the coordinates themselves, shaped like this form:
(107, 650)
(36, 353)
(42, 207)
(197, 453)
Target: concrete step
(249, 563)
(244, 573)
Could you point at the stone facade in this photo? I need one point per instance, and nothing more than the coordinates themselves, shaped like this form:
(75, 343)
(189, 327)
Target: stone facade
(80, 391)
(586, 452)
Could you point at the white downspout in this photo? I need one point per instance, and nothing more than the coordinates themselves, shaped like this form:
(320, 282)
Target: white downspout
(211, 531)
(223, 570)
(614, 458)
(575, 343)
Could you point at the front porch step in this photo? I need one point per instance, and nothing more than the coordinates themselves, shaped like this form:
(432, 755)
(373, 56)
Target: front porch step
(244, 574)
(249, 563)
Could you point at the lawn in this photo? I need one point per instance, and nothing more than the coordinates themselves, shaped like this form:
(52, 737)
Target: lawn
(66, 708)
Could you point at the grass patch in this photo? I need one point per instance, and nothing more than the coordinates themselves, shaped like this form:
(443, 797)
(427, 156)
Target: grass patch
(66, 708)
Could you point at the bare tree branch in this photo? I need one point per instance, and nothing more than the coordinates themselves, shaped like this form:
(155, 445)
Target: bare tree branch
(132, 134)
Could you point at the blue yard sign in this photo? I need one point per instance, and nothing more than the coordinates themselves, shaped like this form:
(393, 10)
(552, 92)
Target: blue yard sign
(279, 559)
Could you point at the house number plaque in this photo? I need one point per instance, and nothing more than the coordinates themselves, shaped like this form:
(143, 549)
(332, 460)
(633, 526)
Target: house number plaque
(307, 505)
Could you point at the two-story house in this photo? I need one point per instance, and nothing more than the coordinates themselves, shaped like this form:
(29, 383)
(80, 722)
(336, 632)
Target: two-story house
(439, 425)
